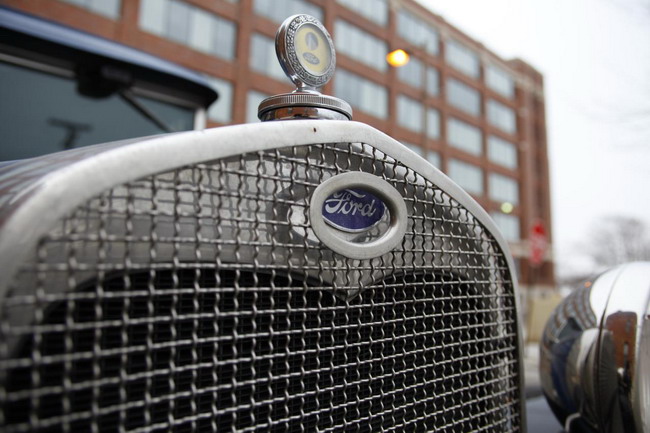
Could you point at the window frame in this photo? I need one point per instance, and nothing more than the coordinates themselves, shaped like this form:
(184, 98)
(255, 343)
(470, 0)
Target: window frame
(478, 169)
(465, 89)
(378, 63)
(498, 177)
(383, 115)
(431, 49)
(463, 48)
(491, 153)
(475, 149)
(493, 114)
(382, 23)
(140, 88)
(161, 29)
(492, 70)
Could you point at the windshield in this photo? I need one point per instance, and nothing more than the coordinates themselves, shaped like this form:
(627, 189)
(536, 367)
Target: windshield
(43, 113)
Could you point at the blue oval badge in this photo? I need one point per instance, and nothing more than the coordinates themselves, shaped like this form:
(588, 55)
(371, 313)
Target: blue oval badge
(353, 210)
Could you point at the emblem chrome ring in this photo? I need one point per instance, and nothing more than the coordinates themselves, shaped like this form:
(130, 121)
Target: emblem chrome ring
(374, 185)
(287, 52)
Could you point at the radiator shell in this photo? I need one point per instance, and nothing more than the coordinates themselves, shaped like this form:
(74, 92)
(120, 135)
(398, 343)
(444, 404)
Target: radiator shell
(142, 210)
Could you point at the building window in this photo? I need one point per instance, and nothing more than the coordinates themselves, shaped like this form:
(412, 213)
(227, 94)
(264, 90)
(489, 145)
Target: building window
(417, 31)
(431, 156)
(434, 159)
(501, 116)
(468, 176)
(433, 80)
(360, 45)
(463, 97)
(409, 113)
(221, 109)
(361, 93)
(500, 81)
(433, 123)
(464, 136)
(508, 224)
(262, 57)
(502, 152)
(462, 58)
(409, 116)
(108, 8)
(503, 189)
(279, 11)
(189, 25)
(374, 10)
(411, 74)
(253, 99)
(414, 147)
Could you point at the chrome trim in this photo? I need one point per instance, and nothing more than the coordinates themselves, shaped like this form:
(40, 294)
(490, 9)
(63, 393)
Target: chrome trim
(302, 113)
(594, 348)
(141, 88)
(37, 65)
(374, 185)
(67, 179)
(301, 105)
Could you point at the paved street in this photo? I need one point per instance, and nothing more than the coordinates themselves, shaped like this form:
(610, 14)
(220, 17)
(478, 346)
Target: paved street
(538, 414)
(531, 370)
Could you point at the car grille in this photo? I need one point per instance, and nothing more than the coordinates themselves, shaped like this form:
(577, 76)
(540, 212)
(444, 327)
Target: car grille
(200, 300)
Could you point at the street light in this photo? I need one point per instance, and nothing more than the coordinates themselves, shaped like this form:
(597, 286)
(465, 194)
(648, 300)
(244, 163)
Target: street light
(397, 58)
(507, 207)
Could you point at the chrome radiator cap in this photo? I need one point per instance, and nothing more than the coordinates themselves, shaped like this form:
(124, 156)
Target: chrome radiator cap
(306, 53)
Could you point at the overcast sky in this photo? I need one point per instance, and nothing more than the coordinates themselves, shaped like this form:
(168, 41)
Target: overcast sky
(595, 57)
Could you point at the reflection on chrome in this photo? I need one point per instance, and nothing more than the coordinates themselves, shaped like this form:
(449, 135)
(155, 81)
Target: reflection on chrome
(595, 354)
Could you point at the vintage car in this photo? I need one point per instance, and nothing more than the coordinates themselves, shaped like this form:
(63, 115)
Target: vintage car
(308, 273)
(595, 354)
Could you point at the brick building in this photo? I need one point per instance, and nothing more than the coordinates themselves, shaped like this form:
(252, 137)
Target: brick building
(477, 117)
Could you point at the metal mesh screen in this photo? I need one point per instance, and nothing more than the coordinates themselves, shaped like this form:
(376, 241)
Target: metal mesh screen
(200, 300)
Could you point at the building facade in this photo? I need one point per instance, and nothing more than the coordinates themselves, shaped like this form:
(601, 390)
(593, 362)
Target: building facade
(477, 117)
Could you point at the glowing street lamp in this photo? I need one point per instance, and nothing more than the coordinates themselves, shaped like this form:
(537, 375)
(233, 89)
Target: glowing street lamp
(507, 207)
(397, 58)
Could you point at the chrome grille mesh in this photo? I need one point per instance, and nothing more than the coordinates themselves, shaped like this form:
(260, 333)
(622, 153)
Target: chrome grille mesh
(200, 300)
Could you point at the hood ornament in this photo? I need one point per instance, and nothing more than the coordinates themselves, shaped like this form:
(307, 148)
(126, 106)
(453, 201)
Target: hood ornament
(306, 53)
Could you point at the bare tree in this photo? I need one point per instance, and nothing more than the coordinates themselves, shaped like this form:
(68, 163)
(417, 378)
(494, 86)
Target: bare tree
(618, 239)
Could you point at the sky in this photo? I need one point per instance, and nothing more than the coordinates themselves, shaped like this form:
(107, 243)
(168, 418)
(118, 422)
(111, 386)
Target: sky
(595, 57)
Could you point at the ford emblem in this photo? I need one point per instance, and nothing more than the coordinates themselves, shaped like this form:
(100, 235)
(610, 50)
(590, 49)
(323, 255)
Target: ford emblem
(353, 210)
